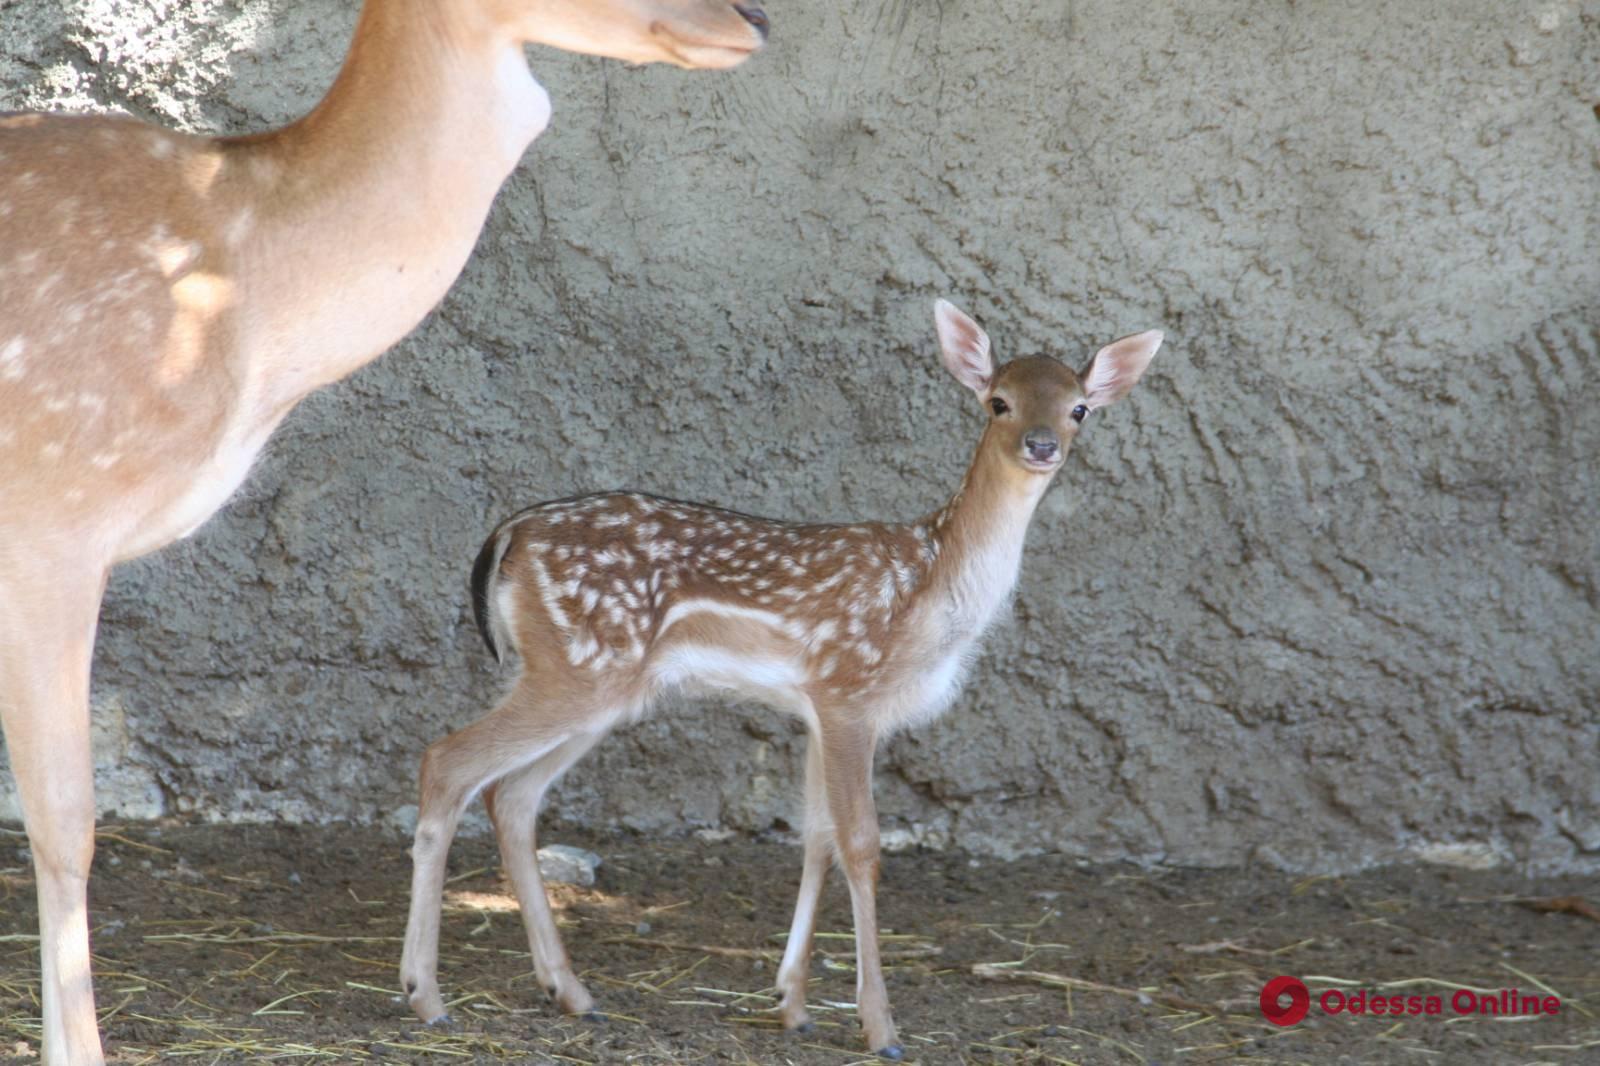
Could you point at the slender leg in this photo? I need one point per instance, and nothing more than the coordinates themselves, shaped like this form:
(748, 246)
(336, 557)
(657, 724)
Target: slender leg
(513, 804)
(796, 966)
(847, 749)
(46, 641)
(453, 771)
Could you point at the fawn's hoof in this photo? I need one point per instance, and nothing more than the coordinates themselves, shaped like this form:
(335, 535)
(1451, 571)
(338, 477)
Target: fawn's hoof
(805, 1028)
(594, 1017)
(443, 1021)
(894, 1053)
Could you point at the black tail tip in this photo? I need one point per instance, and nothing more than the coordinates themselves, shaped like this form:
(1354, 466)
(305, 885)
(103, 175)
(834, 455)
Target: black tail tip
(482, 577)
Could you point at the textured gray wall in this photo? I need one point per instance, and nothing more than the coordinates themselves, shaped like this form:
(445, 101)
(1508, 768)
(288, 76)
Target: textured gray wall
(1323, 592)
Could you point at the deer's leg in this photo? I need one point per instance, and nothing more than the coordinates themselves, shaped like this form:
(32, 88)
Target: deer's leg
(847, 749)
(795, 970)
(454, 770)
(46, 640)
(513, 804)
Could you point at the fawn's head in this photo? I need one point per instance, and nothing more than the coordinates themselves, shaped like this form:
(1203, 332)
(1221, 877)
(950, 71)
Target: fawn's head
(710, 34)
(1036, 405)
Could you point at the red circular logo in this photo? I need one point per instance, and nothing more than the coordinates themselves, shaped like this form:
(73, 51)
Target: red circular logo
(1272, 1000)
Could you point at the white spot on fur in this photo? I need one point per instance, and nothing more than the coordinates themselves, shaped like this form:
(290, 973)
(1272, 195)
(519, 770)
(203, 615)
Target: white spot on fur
(239, 227)
(824, 586)
(548, 597)
(685, 608)
(11, 364)
(581, 649)
(176, 258)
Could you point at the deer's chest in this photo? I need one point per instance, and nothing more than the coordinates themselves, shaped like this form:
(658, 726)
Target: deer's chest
(928, 675)
(177, 506)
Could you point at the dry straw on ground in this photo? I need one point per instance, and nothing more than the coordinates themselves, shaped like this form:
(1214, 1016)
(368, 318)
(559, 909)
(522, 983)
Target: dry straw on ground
(228, 945)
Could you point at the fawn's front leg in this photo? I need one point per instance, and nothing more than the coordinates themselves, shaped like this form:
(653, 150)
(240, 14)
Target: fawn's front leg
(847, 749)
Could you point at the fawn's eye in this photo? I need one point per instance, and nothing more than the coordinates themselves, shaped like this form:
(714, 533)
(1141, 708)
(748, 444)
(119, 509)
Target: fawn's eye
(1079, 413)
(999, 406)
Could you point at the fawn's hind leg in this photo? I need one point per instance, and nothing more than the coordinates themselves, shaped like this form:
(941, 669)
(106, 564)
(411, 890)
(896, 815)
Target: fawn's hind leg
(794, 971)
(454, 769)
(513, 804)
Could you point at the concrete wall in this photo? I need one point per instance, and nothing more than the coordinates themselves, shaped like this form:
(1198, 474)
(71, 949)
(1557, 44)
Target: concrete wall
(1322, 593)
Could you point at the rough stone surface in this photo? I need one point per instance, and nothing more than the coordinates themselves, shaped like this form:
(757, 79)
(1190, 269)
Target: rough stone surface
(1322, 593)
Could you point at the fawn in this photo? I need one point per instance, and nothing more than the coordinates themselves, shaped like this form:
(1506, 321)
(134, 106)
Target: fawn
(613, 599)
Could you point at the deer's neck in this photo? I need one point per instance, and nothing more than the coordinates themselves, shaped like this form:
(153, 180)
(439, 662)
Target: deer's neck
(362, 214)
(979, 536)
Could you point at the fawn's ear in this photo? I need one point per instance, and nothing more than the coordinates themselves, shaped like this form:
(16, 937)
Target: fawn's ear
(965, 347)
(1116, 368)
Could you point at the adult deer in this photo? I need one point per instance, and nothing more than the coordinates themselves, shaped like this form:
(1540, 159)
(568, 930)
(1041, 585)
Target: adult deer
(612, 599)
(166, 299)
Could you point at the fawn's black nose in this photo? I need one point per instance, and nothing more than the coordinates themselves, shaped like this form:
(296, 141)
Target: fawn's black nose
(756, 17)
(1042, 444)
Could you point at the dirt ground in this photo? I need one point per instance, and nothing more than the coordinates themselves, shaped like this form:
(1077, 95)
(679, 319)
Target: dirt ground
(224, 944)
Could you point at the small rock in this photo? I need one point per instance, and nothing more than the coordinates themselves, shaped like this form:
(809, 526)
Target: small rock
(1467, 856)
(403, 820)
(566, 865)
(893, 840)
(642, 929)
